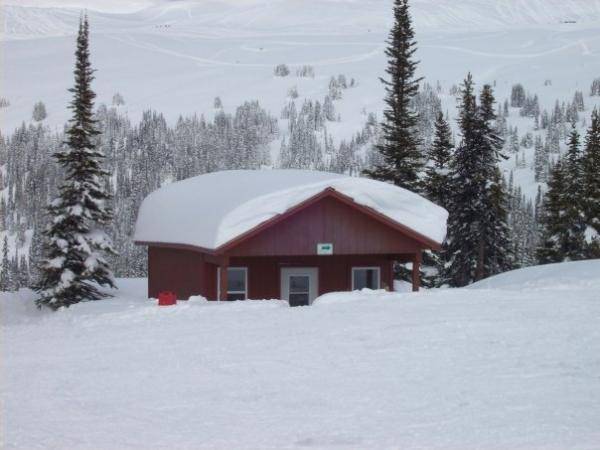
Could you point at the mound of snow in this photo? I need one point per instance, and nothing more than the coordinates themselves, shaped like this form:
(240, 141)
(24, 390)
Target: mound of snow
(561, 276)
(210, 210)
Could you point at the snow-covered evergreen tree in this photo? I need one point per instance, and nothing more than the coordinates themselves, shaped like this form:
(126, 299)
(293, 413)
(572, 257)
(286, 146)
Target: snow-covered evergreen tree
(552, 237)
(5, 275)
(478, 241)
(517, 96)
(541, 161)
(39, 112)
(75, 263)
(591, 187)
(401, 155)
(563, 218)
(462, 241)
(496, 256)
(436, 185)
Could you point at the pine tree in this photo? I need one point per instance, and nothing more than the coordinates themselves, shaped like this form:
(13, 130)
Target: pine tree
(23, 272)
(39, 112)
(2, 213)
(591, 189)
(518, 96)
(550, 249)
(436, 185)
(462, 241)
(495, 243)
(437, 188)
(5, 276)
(402, 159)
(563, 225)
(75, 264)
(574, 216)
(540, 163)
(478, 242)
(36, 254)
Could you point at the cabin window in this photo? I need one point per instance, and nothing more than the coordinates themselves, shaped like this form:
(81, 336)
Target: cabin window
(237, 283)
(365, 277)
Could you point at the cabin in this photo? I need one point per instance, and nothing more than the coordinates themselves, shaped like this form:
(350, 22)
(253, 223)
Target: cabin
(282, 234)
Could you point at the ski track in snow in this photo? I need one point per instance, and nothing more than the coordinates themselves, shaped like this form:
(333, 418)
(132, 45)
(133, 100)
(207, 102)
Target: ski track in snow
(130, 40)
(579, 43)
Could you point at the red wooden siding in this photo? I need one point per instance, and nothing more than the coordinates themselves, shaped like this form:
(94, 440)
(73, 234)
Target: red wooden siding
(329, 221)
(183, 272)
(264, 273)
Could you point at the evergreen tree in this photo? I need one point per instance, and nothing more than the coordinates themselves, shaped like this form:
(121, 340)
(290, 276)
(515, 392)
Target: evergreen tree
(517, 96)
(540, 163)
(436, 185)
(23, 272)
(478, 242)
(402, 159)
(5, 276)
(39, 112)
(574, 216)
(550, 249)
(591, 182)
(2, 214)
(36, 254)
(495, 243)
(437, 188)
(563, 225)
(462, 240)
(76, 243)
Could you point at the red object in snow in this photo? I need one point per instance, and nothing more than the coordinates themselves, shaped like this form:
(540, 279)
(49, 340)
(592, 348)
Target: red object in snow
(167, 298)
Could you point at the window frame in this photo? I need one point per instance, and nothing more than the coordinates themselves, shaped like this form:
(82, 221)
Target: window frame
(245, 291)
(377, 269)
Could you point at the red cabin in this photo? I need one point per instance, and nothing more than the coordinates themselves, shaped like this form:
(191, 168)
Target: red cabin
(282, 234)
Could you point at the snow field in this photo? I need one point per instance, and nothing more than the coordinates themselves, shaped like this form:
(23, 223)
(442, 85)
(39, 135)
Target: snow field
(459, 368)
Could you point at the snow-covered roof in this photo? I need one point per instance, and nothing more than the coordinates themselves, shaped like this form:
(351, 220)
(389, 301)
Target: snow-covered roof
(210, 210)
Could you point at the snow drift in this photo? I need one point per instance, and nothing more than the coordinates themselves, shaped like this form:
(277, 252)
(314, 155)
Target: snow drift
(561, 276)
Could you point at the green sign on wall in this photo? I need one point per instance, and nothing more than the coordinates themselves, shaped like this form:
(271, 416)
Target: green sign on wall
(325, 249)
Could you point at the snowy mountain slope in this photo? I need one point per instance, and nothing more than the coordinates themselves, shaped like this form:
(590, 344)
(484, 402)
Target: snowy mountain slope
(177, 56)
(443, 369)
(430, 15)
(228, 48)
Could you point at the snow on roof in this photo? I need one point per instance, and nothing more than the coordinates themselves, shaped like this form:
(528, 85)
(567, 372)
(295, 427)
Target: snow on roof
(210, 210)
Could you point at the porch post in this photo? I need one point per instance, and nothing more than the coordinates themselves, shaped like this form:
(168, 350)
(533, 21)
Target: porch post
(416, 276)
(392, 274)
(223, 278)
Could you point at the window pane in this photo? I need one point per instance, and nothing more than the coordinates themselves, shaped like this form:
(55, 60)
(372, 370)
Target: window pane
(233, 297)
(236, 280)
(299, 283)
(365, 278)
(298, 299)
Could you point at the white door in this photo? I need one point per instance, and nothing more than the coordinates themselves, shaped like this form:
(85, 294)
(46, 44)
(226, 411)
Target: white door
(299, 285)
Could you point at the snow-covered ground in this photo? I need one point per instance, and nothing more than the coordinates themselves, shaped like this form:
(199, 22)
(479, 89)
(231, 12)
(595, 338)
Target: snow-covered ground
(505, 364)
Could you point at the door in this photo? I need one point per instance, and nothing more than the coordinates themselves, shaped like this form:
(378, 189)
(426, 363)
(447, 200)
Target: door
(299, 285)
